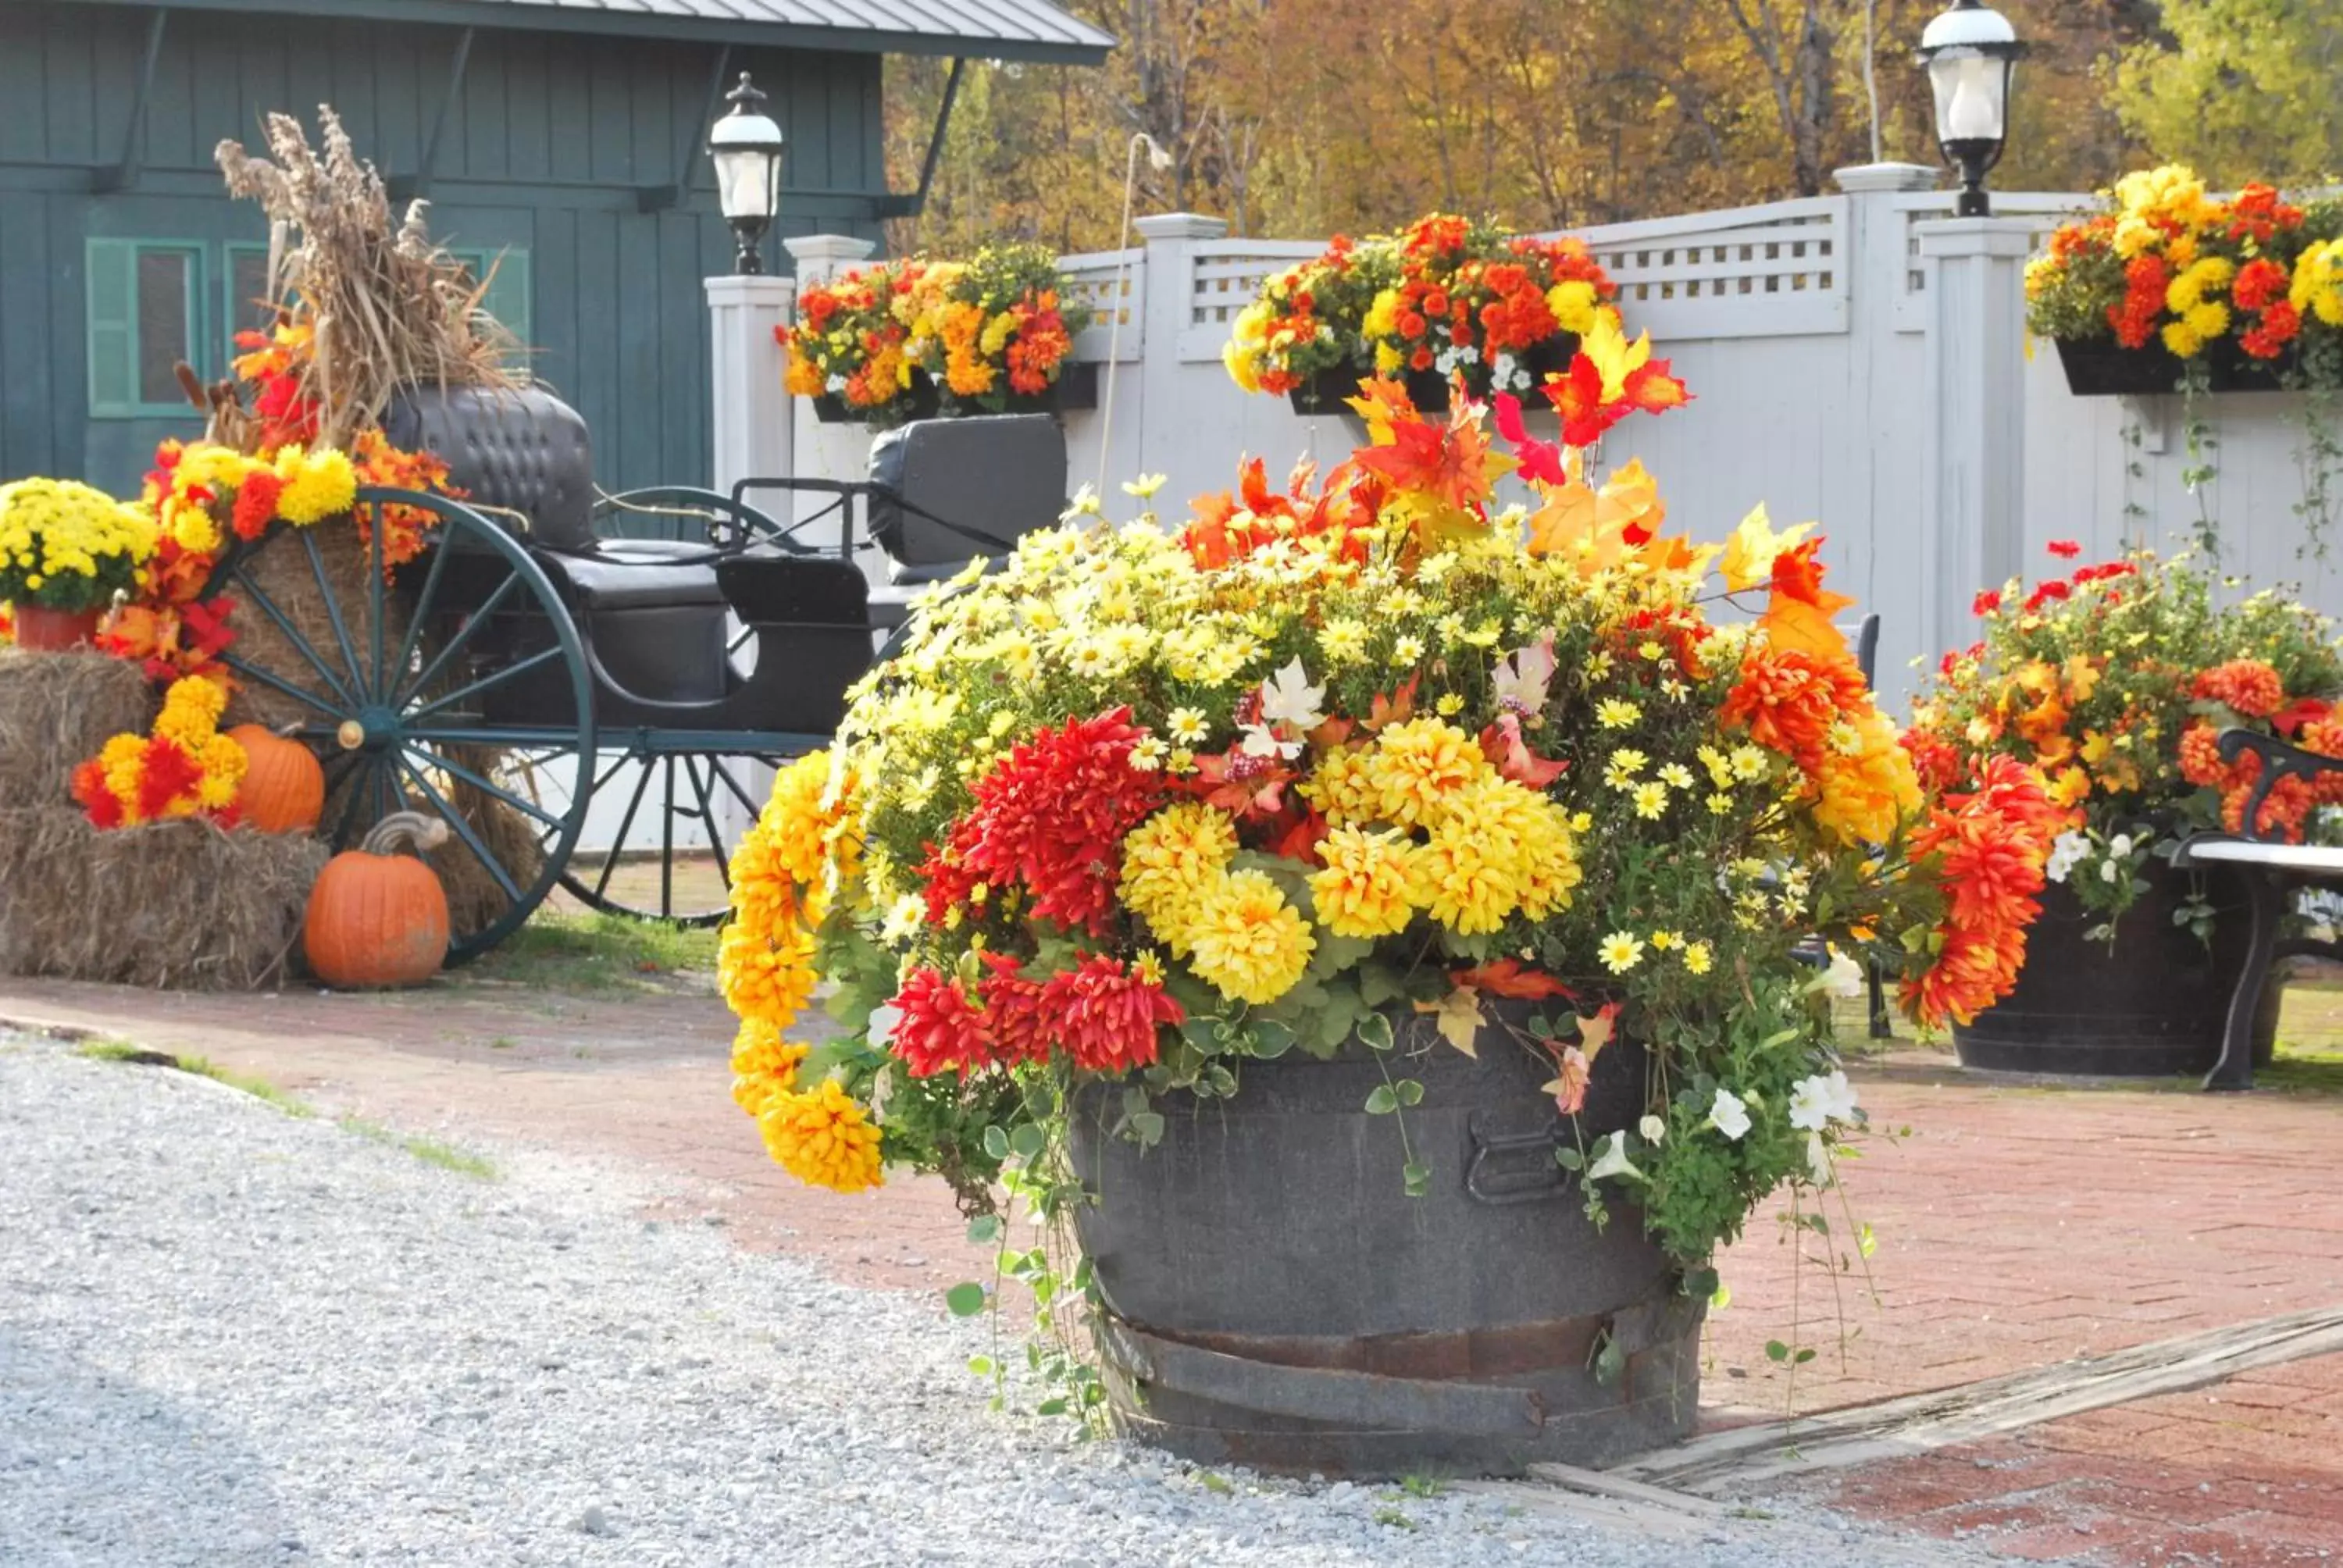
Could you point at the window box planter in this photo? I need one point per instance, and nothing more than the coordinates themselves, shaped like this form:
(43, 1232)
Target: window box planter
(2101, 369)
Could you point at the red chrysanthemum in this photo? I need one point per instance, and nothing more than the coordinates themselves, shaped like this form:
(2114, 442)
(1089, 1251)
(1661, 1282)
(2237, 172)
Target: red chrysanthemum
(1105, 1016)
(1052, 815)
(1015, 1013)
(256, 504)
(1990, 848)
(941, 1028)
(89, 790)
(1790, 701)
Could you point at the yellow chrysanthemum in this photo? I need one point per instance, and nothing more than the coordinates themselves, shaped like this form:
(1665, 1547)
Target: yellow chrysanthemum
(824, 1138)
(191, 711)
(1343, 788)
(1170, 860)
(764, 1065)
(1866, 793)
(1367, 887)
(224, 764)
(1417, 766)
(766, 975)
(318, 485)
(1247, 942)
(795, 819)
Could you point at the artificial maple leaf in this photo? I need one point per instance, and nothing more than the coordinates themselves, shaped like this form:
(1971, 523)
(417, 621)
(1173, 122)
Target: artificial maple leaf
(1568, 1087)
(1506, 977)
(1242, 791)
(1541, 461)
(1458, 1018)
(1382, 403)
(2304, 710)
(1749, 554)
(1797, 617)
(1397, 708)
(1597, 1031)
(1523, 677)
(1447, 469)
(1502, 745)
(1301, 841)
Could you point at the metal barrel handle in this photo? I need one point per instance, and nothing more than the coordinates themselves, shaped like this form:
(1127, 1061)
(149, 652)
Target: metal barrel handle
(1543, 1181)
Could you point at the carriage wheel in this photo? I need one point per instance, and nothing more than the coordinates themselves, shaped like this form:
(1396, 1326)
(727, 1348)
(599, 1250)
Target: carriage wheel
(685, 813)
(448, 693)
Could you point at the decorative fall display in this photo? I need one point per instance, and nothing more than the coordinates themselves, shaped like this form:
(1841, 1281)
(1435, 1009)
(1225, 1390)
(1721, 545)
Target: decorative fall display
(284, 789)
(984, 334)
(375, 917)
(1337, 764)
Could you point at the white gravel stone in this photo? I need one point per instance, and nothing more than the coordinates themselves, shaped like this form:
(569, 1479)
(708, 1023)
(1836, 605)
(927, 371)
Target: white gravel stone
(229, 1336)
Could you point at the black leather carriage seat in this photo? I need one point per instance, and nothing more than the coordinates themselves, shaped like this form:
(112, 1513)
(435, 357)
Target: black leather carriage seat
(997, 476)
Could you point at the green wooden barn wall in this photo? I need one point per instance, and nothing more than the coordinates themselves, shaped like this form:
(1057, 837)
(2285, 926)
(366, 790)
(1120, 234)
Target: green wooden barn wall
(544, 149)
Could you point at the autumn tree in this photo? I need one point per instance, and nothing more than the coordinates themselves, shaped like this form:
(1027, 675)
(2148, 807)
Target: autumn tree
(2243, 89)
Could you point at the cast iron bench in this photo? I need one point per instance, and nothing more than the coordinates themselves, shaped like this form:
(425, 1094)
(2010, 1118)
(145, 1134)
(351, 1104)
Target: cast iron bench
(2273, 871)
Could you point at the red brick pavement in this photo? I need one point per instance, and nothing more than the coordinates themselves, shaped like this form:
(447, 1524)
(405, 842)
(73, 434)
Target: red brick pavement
(2016, 1226)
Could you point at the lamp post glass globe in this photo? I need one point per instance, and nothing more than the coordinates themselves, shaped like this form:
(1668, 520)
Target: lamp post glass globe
(1971, 53)
(746, 146)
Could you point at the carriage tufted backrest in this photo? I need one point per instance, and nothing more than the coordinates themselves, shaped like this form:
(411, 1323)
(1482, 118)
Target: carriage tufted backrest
(1000, 476)
(515, 450)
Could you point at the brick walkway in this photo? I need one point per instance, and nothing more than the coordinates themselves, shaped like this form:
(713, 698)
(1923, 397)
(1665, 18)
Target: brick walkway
(2016, 1227)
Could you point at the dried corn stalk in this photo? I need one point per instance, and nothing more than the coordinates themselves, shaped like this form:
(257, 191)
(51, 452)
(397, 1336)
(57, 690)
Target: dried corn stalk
(387, 309)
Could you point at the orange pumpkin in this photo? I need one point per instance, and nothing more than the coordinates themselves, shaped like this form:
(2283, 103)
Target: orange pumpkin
(377, 918)
(284, 790)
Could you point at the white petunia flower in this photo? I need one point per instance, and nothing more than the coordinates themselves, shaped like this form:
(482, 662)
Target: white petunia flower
(1845, 977)
(2066, 853)
(1612, 1160)
(1654, 1129)
(1729, 1114)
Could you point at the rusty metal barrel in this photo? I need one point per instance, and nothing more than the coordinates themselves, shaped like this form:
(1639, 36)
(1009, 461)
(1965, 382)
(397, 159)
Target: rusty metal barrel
(1275, 1300)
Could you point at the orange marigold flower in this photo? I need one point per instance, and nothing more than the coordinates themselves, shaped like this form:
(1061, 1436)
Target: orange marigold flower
(2246, 685)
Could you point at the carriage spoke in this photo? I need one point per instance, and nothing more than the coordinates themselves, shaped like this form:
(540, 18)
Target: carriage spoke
(707, 816)
(237, 663)
(375, 603)
(739, 794)
(358, 776)
(666, 845)
(487, 683)
(421, 612)
(292, 634)
(461, 829)
(387, 796)
(618, 844)
(333, 610)
(462, 639)
(456, 769)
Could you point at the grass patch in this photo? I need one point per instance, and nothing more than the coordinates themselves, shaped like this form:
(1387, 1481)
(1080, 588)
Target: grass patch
(430, 1150)
(595, 952)
(258, 1087)
(107, 1050)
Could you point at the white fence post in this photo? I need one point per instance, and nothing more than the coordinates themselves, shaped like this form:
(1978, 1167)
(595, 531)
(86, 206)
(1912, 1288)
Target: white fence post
(751, 411)
(824, 451)
(1170, 238)
(1973, 463)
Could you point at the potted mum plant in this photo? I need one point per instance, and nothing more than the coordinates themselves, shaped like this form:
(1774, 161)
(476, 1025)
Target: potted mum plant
(2171, 289)
(2115, 680)
(1362, 881)
(66, 551)
(849, 348)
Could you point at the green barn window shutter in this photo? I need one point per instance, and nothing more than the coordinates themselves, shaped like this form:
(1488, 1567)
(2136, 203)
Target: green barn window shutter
(112, 287)
(507, 299)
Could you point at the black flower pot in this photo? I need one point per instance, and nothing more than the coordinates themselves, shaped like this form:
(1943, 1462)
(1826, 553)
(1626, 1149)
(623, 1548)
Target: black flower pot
(2103, 369)
(2152, 1006)
(1327, 391)
(1076, 388)
(917, 401)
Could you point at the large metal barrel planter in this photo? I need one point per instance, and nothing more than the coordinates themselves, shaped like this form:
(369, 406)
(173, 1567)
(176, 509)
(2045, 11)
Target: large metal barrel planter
(2153, 1005)
(1274, 1299)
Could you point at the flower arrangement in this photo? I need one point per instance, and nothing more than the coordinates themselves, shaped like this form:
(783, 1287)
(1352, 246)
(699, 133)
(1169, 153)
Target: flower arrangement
(2114, 681)
(1448, 296)
(2167, 264)
(983, 332)
(185, 768)
(1338, 767)
(66, 547)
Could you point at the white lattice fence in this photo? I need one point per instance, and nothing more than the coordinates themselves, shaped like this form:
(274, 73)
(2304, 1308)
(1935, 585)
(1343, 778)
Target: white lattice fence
(1113, 284)
(1222, 277)
(2047, 210)
(1775, 270)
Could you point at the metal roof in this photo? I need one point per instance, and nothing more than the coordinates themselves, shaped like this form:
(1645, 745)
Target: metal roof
(988, 29)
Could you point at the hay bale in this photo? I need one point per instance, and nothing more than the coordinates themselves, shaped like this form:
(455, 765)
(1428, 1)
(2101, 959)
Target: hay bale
(282, 570)
(185, 905)
(56, 710)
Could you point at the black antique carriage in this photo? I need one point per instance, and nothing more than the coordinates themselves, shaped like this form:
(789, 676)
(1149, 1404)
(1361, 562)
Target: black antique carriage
(552, 646)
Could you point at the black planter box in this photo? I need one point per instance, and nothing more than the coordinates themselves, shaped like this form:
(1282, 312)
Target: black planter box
(1327, 392)
(1075, 389)
(2101, 369)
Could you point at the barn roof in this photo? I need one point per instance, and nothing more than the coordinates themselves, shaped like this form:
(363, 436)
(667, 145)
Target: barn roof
(990, 29)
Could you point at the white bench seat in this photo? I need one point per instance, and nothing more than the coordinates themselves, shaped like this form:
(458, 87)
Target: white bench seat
(2315, 859)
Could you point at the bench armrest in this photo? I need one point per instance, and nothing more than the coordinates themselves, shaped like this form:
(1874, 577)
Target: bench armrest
(2280, 759)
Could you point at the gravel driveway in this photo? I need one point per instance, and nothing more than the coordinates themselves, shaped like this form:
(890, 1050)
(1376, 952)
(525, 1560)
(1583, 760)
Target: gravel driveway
(233, 1336)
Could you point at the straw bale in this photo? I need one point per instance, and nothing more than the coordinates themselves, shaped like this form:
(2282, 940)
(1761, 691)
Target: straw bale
(56, 709)
(181, 905)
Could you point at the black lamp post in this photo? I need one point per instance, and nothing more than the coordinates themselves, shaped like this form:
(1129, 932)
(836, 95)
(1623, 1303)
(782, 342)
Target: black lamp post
(1971, 53)
(746, 146)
